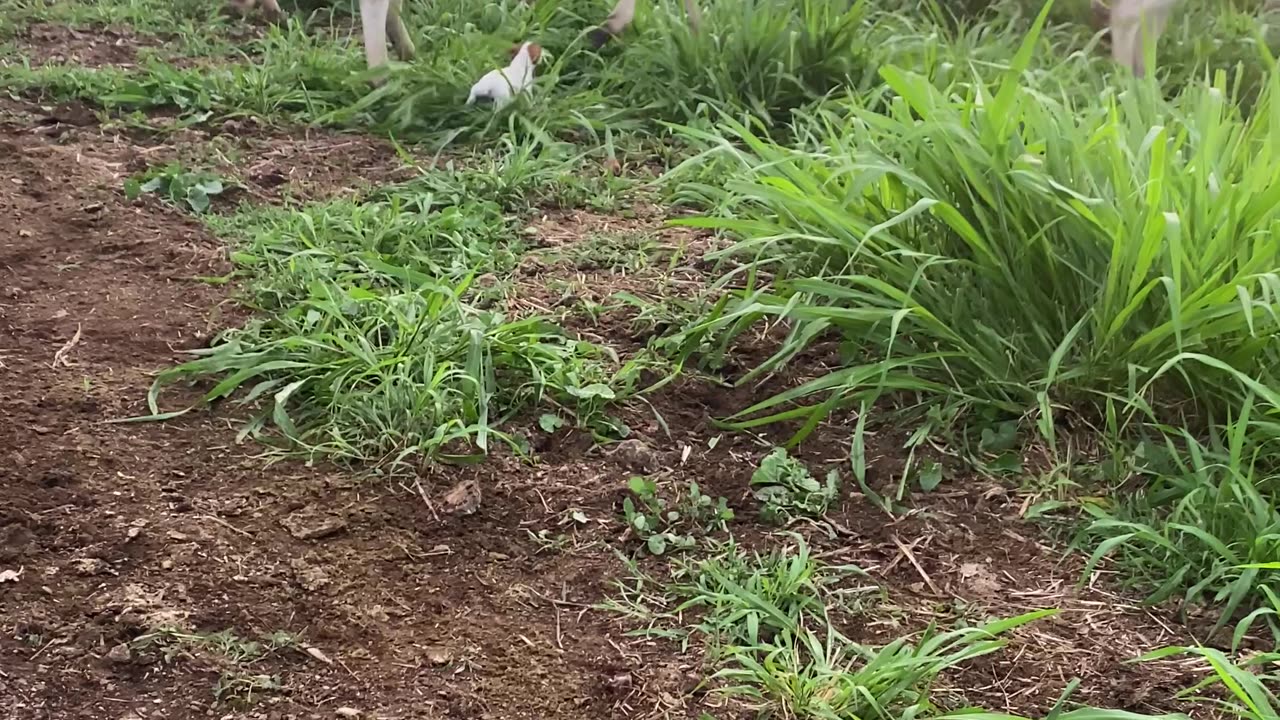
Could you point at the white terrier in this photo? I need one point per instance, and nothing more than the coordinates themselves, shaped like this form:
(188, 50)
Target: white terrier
(500, 86)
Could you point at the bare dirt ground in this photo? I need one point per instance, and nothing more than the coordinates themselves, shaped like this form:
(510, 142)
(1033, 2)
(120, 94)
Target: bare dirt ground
(391, 608)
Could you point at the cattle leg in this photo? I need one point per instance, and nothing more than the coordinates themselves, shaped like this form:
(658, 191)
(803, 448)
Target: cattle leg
(625, 11)
(398, 34)
(621, 16)
(1131, 22)
(271, 8)
(693, 15)
(374, 15)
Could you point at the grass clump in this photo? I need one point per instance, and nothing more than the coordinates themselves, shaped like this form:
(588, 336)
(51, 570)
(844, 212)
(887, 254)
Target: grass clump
(1245, 689)
(975, 255)
(984, 248)
(377, 341)
(772, 622)
(1205, 521)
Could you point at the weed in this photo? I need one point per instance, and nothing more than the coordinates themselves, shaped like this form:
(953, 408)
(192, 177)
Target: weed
(375, 343)
(176, 185)
(609, 252)
(787, 490)
(1019, 277)
(1207, 517)
(241, 688)
(225, 643)
(664, 524)
(233, 654)
(770, 621)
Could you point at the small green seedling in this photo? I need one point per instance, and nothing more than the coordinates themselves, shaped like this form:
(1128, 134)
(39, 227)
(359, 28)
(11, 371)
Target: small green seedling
(662, 524)
(178, 186)
(787, 490)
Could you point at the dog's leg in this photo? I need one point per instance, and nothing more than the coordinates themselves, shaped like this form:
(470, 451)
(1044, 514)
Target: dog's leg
(398, 34)
(373, 23)
(623, 13)
(1126, 48)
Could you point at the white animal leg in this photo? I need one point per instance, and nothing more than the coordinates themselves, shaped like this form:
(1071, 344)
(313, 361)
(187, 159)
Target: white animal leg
(399, 35)
(271, 8)
(623, 13)
(1125, 46)
(1134, 22)
(242, 7)
(694, 15)
(373, 22)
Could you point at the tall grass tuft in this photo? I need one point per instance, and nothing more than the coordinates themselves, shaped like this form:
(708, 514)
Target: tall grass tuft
(1207, 519)
(997, 246)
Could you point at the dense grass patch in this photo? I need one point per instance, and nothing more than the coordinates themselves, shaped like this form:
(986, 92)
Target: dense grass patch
(989, 250)
(380, 335)
(772, 625)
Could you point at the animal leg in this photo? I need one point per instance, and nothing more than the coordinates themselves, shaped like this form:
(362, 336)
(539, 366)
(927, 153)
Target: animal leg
(1132, 23)
(398, 34)
(1126, 48)
(242, 7)
(373, 23)
(623, 13)
(271, 8)
(694, 15)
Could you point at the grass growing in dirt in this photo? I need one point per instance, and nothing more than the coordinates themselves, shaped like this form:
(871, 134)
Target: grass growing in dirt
(987, 230)
(771, 625)
(381, 334)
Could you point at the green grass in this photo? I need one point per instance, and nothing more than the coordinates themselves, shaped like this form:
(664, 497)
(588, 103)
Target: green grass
(1007, 240)
(989, 247)
(1246, 689)
(1207, 513)
(375, 342)
(771, 625)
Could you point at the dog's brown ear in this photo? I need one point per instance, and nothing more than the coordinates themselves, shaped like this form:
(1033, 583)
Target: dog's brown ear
(513, 51)
(535, 52)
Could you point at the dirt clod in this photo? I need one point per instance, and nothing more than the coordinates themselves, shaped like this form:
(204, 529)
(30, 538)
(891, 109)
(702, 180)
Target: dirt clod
(91, 566)
(120, 654)
(638, 455)
(312, 525)
(438, 655)
(462, 499)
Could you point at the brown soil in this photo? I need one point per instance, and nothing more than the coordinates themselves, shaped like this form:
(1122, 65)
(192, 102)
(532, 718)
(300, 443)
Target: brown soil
(399, 609)
(51, 44)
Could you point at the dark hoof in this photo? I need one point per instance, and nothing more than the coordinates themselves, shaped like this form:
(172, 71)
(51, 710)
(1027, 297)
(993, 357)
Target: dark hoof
(599, 37)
